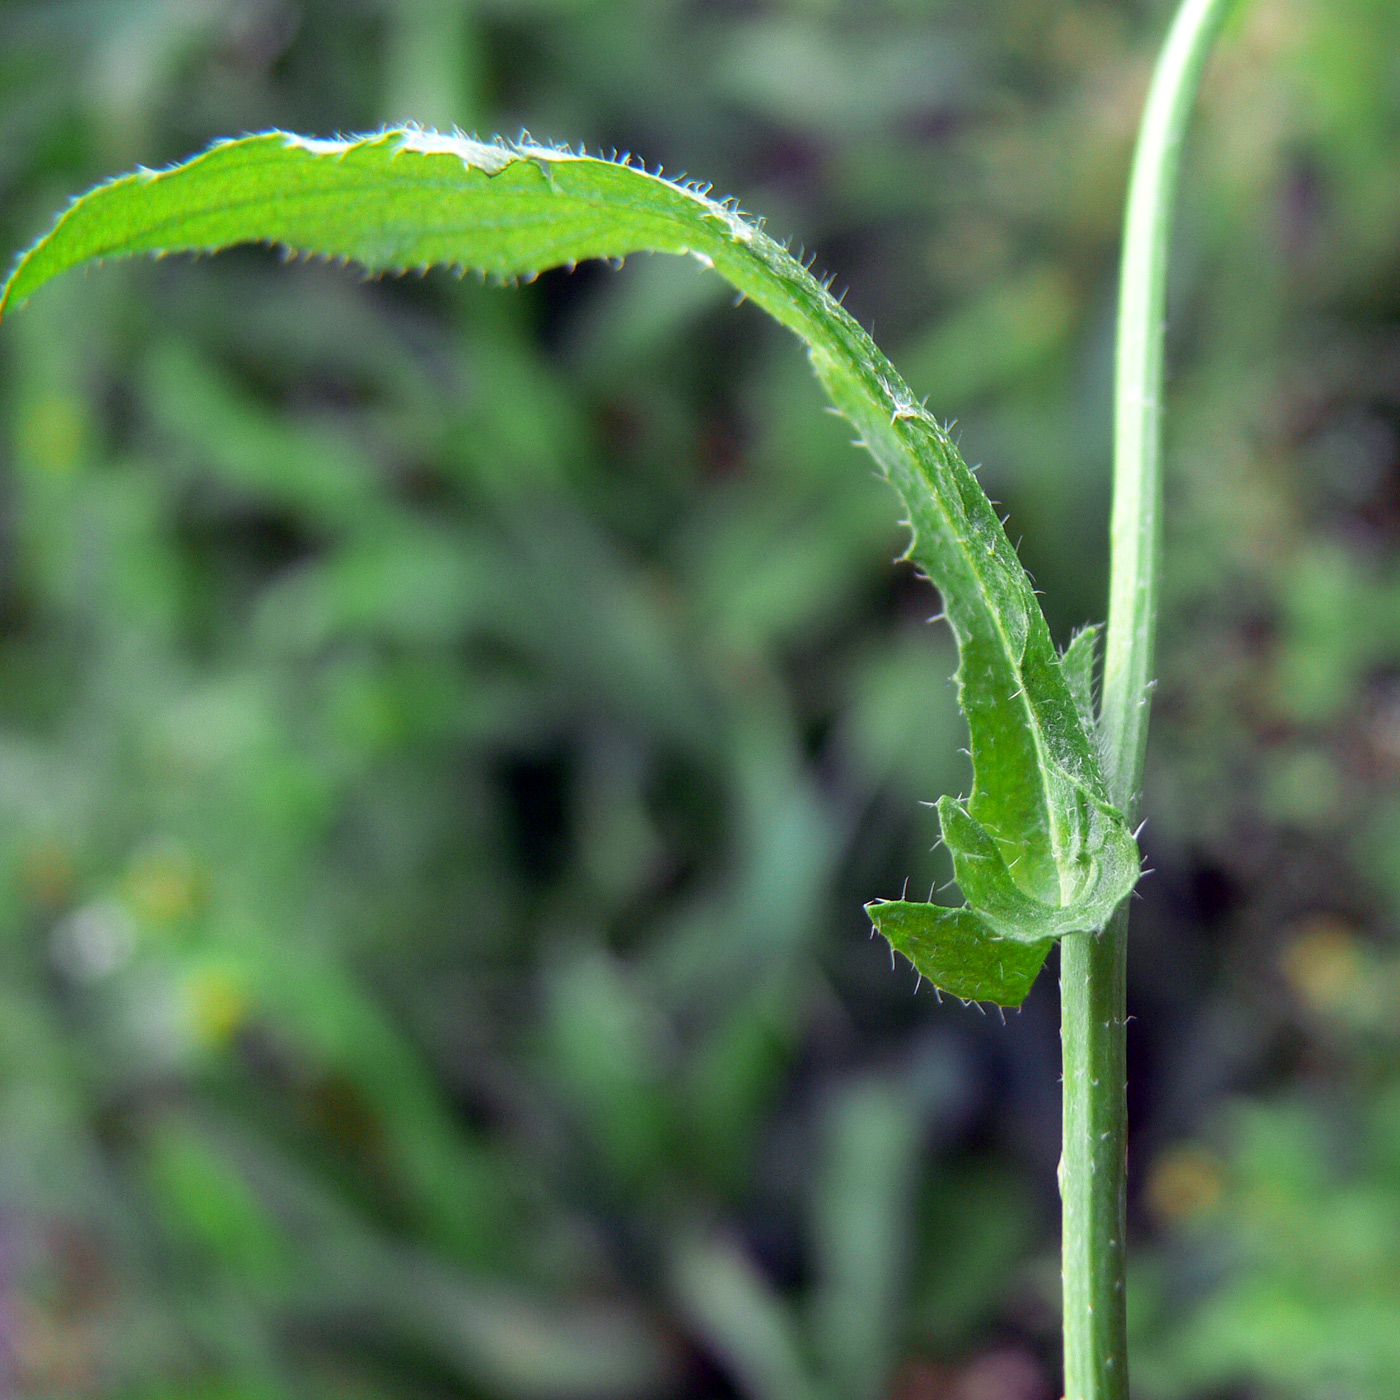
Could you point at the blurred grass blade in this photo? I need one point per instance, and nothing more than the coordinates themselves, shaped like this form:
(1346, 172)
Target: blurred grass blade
(862, 1209)
(1038, 850)
(508, 1342)
(749, 1328)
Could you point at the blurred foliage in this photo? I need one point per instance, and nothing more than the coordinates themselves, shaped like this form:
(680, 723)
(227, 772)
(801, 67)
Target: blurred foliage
(447, 734)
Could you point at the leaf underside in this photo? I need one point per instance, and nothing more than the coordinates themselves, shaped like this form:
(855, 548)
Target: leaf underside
(1037, 850)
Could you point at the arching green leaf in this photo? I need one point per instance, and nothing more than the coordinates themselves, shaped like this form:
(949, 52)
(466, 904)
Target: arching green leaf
(1037, 849)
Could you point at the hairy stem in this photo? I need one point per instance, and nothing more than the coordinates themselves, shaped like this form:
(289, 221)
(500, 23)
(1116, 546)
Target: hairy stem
(1093, 967)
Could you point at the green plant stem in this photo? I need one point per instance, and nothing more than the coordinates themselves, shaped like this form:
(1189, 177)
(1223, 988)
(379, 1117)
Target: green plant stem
(1093, 1165)
(1137, 443)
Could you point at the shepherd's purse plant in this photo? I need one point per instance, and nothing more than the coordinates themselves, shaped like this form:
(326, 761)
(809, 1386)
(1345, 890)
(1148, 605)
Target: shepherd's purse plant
(1042, 846)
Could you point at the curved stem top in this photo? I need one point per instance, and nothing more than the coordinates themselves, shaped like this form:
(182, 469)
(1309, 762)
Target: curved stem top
(1137, 438)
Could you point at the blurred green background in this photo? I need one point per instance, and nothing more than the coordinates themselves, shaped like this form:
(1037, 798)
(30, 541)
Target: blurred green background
(447, 733)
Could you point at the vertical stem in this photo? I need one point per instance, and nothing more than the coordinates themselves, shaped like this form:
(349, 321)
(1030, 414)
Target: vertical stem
(1093, 967)
(1093, 1161)
(1137, 435)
